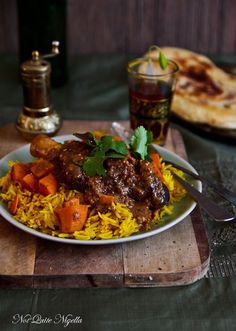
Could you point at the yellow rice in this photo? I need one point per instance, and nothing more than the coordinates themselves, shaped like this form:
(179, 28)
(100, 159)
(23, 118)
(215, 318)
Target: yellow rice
(36, 210)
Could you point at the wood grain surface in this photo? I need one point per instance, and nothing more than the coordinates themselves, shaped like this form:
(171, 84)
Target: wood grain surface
(130, 26)
(178, 256)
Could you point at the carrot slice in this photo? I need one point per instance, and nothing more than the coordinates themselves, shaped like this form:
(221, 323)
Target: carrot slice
(72, 202)
(48, 185)
(117, 138)
(99, 134)
(30, 182)
(72, 218)
(106, 199)
(42, 168)
(19, 171)
(14, 205)
(156, 159)
(156, 164)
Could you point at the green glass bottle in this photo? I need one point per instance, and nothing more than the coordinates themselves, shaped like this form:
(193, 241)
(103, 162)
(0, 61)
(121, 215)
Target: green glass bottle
(41, 22)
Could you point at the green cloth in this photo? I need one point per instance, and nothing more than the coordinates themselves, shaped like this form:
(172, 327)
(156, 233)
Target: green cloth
(97, 90)
(205, 305)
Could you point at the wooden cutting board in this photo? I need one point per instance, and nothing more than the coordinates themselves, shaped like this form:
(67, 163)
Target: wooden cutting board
(178, 256)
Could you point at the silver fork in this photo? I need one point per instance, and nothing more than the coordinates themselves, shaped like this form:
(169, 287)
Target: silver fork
(219, 189)
(215, 211)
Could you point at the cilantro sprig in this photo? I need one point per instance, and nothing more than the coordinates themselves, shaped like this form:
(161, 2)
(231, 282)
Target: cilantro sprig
(107, 147)
(104, 148)
(140, 143)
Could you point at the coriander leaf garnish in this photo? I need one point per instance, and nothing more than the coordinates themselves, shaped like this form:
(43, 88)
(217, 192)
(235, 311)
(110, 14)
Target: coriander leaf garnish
(163, 60)
(93, 165)
(119, 147)
(140, 141)
(105, 148)
(108, 143)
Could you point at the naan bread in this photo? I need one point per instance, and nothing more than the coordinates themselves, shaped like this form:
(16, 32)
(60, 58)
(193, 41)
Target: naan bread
(204, 93)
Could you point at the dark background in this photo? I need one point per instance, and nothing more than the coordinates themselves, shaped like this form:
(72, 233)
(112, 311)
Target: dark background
(131, 26)
(97, 39)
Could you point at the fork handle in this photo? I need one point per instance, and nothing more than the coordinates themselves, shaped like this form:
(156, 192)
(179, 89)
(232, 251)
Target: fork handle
(204, 202)
(222, 191)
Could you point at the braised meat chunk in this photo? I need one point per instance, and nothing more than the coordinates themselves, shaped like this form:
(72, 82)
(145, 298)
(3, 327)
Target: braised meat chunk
(134, 182)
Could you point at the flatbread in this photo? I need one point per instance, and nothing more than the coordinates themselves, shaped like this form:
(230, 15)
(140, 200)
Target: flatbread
(204, 93)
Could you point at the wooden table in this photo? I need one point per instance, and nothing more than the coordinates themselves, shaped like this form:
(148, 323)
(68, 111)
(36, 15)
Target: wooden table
(175, 257)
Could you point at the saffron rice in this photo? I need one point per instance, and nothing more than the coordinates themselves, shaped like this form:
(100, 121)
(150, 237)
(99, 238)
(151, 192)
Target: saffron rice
(36, 210)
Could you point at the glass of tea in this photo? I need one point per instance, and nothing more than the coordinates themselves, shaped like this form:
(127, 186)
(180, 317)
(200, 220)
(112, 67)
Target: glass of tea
(151, 90)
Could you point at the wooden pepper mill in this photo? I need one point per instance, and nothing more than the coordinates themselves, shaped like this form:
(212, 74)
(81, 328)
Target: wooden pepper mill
(38, 115)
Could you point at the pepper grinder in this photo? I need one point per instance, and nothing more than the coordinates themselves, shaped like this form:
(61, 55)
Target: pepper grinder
(38, 115)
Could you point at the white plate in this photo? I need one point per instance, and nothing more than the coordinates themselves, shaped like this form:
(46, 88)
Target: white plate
(181, 209)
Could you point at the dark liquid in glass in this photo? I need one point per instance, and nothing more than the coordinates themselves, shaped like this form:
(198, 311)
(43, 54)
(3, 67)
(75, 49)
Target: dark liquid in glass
(150, 103)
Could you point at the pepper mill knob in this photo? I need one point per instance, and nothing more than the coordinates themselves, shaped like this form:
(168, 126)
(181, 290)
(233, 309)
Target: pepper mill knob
(35, 55)
(38, 115)
(55, 47)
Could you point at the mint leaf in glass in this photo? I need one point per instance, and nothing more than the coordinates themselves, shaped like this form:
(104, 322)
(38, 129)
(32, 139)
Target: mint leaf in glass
(163, 60)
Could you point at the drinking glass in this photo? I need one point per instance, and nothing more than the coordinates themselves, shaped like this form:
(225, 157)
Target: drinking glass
(151, 91)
